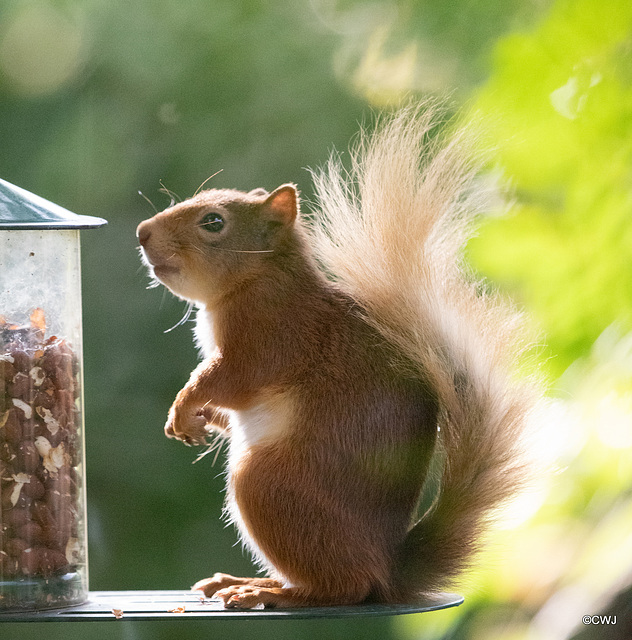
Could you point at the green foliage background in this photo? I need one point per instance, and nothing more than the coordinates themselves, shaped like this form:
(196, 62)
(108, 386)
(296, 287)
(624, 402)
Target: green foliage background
(100, 100)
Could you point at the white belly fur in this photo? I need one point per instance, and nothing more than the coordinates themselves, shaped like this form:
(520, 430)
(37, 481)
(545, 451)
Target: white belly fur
(268, 420)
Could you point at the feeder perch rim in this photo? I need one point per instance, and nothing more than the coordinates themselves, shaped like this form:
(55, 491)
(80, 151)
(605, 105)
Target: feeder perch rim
(121, 606)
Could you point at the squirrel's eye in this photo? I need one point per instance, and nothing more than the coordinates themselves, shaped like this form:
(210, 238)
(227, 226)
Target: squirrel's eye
(212, 222)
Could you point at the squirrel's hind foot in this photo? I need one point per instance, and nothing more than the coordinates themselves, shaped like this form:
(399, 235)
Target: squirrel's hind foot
(222, 581)
(251, 597)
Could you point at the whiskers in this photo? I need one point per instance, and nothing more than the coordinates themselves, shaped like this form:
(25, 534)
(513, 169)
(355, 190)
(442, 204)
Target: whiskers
(242, 250)
(153, 281)
(174, 196)
(215, 445)
(151, 204)
(187, 314)
(210, 246)
(205, 181)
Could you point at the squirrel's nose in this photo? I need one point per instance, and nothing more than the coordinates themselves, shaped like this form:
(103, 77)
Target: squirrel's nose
(143, 232)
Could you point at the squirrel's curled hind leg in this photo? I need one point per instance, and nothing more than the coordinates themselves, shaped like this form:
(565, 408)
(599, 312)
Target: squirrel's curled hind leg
(224, 581)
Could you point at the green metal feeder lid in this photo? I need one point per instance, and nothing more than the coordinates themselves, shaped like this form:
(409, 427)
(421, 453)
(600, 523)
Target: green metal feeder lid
(21, 209)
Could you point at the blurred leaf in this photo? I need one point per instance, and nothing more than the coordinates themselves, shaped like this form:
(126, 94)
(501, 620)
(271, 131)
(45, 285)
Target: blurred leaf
(564, 139)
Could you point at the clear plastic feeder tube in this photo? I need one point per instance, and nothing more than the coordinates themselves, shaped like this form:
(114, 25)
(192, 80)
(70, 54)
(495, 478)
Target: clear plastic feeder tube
(43, 536)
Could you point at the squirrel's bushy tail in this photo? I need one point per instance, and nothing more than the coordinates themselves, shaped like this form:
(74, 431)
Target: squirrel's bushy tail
(391, 230)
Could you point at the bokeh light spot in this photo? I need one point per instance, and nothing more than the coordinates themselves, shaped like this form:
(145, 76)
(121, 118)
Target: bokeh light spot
(41, 50)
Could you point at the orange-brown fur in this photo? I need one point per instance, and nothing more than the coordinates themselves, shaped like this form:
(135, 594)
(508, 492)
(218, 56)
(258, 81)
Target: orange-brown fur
(331, 396)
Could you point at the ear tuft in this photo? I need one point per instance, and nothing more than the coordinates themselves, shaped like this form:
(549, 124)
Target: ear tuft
(282, 204)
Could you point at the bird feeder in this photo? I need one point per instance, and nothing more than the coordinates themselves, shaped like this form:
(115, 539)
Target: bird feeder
(43, 535)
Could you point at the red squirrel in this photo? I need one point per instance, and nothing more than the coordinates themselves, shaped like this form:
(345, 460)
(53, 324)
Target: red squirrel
(340, 356)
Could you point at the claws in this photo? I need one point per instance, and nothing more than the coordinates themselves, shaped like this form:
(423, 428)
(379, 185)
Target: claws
(240, 593)
(192, 433)
(209, 586)
(242, 597)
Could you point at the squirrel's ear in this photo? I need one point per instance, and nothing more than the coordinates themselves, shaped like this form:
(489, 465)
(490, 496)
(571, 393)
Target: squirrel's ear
(282, 204)
(258, 192)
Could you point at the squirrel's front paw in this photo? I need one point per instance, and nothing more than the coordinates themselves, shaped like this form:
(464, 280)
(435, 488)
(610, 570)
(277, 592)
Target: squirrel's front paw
(188, 427)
